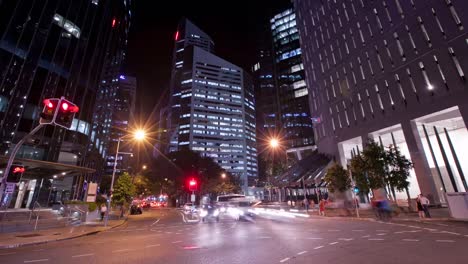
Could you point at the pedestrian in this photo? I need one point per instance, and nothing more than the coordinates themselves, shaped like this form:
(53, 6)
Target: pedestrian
(122, 210)
(420, 207)
(425, 205)
(322, 204)
(306, 204)
(103, 210)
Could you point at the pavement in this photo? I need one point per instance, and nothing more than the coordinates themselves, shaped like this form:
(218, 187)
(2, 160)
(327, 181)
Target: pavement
(19, 239)
(165, 236)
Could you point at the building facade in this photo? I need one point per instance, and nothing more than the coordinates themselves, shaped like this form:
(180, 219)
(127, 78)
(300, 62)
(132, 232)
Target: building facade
(50, 49)
(212, 105)
(294, 112)
(122, 119)
(392, 71)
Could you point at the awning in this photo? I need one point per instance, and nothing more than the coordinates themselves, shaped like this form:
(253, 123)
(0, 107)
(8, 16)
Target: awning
(40, 168)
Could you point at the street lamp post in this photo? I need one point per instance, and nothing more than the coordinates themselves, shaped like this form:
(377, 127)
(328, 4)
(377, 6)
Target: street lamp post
(139, 135)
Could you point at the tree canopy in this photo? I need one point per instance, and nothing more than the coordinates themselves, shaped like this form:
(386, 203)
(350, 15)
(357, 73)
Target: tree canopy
(337, 178)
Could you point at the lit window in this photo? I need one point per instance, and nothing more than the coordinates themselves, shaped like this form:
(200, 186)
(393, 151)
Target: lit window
(457, 63)
(67, 25)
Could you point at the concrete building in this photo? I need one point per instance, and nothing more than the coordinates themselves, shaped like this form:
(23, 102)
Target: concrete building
(212, 105)
(393, 71)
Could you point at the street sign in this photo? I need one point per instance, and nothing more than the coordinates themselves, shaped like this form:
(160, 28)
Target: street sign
(10, 188)
(192, 198)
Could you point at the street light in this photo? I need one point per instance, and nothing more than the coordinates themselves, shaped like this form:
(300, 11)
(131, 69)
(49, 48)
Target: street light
(223, 175)
(144, 167)
(138, 135)
(274, 143)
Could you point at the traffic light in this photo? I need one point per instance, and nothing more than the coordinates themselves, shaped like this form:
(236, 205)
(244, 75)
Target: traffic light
(15, 173)
(48, 112)
(192, 185)
(65, 113)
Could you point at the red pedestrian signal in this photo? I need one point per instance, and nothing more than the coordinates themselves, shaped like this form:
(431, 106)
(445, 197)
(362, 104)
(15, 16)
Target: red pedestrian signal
(192, 185)
(15, 173)
(66, 113)
(48, 112)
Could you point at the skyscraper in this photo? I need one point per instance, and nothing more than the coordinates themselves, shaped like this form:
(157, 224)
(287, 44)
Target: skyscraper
(122, 118)
(53, 49)
(211, 108)
(392, 71)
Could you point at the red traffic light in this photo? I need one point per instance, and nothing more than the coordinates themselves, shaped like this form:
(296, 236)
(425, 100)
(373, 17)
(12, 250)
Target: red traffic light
(48, 103)
(67, 107)
(18, 170)
(193, 182)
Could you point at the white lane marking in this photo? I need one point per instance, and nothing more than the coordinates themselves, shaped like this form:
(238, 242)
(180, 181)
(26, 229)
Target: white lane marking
(445, 241)
(319, 247)
(418, 227)
(333, 230)
(466, 235)
(83, 255)
(9, 253)
(155, 245)
(178, 233)
(139, 229)
(346, 239)
(441, 224)
(333, 243)
(302, 252)
(380, 230)
(365, 236)
(121, 250)
(314, 238)
(35, 260)
(382, 234)
(376, 239)
(168, 232)
(431, 229)
(284, 260)
(453, 233)
(41, 249)
(155, 222)
(357, 230)
(175, 242)
(410, 240)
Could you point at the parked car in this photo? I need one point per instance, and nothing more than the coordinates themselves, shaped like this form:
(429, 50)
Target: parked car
(135, 209)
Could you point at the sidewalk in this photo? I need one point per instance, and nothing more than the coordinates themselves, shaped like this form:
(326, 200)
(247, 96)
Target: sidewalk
(19, 239)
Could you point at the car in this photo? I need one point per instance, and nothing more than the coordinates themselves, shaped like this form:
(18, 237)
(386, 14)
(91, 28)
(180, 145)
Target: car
(135, 209)
(188, 206)
(240, 209)
(209, 211)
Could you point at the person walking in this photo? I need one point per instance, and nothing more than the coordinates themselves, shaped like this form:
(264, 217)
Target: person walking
(420, 207)
(425, 205)
(103, 211)
(322, 204)
(306, 204)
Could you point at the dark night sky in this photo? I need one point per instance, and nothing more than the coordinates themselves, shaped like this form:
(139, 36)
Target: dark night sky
(235, 27)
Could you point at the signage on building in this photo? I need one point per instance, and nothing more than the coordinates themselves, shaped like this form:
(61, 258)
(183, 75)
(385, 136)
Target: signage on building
(10, 188)
(92, 191)
(316, 120)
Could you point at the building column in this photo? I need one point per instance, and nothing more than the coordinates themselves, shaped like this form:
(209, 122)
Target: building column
(464, 113)
(418, 157)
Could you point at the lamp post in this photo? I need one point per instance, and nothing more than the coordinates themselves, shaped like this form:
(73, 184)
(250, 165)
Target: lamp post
(138, 135)
(274, 144)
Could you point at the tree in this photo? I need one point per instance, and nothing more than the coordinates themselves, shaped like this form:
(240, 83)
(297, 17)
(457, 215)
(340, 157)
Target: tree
(399, 171)
(337, 179)
(124, 190)
(374, 158)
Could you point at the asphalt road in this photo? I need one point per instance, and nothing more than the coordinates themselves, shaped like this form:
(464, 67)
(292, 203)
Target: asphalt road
(162, 236)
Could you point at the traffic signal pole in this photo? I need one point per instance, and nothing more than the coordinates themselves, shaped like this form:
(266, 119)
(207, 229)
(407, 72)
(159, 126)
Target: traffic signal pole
(12, 158)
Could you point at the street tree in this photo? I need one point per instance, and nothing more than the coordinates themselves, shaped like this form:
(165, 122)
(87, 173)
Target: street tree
(337, 178)
(124, 190)
(399, 171)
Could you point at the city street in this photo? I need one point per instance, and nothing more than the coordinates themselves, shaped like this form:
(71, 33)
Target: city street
(164, 236)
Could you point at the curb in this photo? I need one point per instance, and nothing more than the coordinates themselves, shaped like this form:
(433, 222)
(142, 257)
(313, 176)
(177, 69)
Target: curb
(61, 239)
